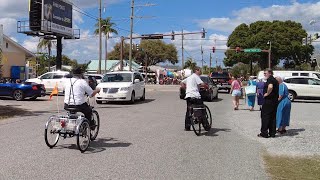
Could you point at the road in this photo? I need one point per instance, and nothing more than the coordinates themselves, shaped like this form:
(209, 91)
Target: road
(141, 141)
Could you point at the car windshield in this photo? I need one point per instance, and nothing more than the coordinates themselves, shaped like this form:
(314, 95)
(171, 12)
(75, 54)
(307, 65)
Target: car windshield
(204, 79)
(117, 77)
(317, 75)
(220, 75)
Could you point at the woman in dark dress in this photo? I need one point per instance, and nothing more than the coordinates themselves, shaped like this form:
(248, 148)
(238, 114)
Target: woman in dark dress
(260, 86)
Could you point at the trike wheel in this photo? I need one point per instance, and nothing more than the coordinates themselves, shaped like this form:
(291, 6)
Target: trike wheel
(196, 125)
(83, 136)
(207, 121)
(51, 135)
(94, 126)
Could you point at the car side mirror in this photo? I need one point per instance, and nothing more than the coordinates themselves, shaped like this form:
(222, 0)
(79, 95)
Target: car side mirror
(136, 80)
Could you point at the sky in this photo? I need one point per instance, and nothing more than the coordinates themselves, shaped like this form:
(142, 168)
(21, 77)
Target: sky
(219, 18)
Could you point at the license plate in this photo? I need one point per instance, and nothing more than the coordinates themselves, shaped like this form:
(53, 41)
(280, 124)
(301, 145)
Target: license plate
(109, 96)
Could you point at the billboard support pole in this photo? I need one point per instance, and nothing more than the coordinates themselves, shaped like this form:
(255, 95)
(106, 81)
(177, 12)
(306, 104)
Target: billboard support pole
(59, 53)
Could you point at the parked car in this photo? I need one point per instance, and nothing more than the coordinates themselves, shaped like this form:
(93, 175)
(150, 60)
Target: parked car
(208, 92)
(21, 91)
(222, 79)
(50, 79)
(97, 77)
(303, 88)
(311, 74)
(121, 86)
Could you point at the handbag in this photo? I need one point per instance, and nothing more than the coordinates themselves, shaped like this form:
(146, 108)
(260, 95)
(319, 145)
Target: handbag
(250, 90)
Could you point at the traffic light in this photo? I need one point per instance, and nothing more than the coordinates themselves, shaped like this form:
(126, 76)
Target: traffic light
(203, 33)
(138, 47)
(309, 40)
(172, 35)
(304, 41)
(213, 49)
(35, 13)
(315, 36)
(314, 62)
(238, 49)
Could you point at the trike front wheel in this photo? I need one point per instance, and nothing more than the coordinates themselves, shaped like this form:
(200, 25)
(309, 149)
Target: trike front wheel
(83, 136)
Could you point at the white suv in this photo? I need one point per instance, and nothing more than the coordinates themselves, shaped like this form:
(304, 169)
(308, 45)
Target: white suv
(50, 79)
(121, 86)
(303, 88)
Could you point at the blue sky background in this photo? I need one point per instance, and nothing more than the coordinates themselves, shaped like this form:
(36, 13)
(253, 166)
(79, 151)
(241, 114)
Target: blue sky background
(219, 18)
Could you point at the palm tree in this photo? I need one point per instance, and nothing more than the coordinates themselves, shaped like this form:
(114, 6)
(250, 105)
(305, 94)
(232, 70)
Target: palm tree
(106, 28)
(46, 44)
(190, 64)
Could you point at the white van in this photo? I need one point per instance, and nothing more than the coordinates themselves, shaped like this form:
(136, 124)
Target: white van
(311, 74)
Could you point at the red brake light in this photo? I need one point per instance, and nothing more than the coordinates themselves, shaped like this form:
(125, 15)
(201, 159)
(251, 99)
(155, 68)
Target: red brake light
(34, 88)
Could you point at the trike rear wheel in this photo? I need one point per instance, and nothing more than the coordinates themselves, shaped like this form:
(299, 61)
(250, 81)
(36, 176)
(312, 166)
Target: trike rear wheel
(51, 134)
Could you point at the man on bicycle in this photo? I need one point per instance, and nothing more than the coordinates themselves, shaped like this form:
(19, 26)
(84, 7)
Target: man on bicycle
(76, 91)
(192, 84)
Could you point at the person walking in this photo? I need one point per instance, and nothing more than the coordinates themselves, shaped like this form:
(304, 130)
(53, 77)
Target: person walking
(236, 92)
(251, 97)
(260, 87)
(284, 107)
(269, 107)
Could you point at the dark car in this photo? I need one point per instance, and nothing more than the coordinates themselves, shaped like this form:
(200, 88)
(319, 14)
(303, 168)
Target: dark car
(222, 79)
(208, 92)
(21, 91)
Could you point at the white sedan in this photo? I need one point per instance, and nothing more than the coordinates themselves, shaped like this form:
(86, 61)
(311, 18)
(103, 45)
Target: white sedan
(303, 88)
(121, 86)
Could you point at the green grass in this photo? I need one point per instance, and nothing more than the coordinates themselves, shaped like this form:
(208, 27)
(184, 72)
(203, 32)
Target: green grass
(292, 168)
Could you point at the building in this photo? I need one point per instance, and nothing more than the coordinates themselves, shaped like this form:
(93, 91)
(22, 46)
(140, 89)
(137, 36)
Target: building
(14, 60)
(112, 65)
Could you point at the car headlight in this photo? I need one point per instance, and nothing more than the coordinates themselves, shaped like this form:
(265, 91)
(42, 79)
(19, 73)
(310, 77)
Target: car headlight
(125, 89)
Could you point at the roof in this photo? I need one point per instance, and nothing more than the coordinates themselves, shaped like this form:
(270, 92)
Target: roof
(94, 64)
(28, 53)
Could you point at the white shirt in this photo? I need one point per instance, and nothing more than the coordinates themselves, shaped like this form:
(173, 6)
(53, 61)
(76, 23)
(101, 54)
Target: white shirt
(192, 82)
(80, 87)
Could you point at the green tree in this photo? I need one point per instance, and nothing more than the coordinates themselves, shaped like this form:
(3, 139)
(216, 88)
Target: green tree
(46, 44)
(242, 69)
(285, 36)
(152, 51)
(190, 64)
(106, 29)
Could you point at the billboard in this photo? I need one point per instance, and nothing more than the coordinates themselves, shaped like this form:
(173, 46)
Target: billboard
(57, 17)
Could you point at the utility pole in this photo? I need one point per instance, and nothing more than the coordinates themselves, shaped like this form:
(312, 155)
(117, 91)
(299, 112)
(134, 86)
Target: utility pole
(210, 62)
(121, 53)
(182, 49)
(217, 62)
(59, 53)
(131, 31)
(201, 58)
(106, 47)
(269, 58)
(100, 38)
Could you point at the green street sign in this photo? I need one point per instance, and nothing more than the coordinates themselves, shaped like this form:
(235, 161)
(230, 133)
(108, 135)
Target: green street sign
(252, 50)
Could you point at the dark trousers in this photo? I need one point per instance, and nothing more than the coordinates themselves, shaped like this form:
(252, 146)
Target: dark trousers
(190, 101)
(83, 108)
(268, 118)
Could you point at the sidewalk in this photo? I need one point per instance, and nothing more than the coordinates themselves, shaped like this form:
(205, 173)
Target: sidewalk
(302, 137)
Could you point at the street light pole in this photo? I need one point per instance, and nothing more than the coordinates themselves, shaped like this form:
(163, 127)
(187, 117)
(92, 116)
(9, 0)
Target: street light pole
(131, 31)
(269, 59)
(100, 38)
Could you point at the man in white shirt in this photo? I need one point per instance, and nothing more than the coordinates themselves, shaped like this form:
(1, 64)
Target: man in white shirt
(76, 91)
(193, 96)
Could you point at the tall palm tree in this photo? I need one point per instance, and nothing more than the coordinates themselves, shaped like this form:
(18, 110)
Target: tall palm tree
(46, 44)
(106, 28)
(190, 64)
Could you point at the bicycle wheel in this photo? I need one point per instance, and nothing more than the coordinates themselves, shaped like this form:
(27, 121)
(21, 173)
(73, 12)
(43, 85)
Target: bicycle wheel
(83, 136)
(94, 127)
(51, 135)
(196, 125)
(207, 119)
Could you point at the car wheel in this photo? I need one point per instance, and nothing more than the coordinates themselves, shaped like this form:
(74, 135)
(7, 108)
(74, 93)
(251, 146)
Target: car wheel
(210, 99)
(18, 95)
(133, 97)
(143, 96)
(292, 95)
(99, 102)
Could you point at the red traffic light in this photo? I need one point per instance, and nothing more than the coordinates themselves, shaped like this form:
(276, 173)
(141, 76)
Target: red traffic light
(213, 49)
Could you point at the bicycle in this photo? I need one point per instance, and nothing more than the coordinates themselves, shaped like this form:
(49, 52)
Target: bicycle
(200, 114)
(71, 125)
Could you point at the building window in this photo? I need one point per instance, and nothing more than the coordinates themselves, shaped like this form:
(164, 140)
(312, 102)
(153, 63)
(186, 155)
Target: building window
(7, 45)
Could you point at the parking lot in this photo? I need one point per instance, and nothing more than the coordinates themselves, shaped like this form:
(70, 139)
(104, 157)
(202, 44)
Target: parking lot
(146, 141)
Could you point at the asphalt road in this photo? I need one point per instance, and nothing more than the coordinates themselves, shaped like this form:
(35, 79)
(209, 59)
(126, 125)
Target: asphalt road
(141, 141)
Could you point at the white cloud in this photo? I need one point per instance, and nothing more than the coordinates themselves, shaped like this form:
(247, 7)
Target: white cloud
(300, 12)
(31, 43)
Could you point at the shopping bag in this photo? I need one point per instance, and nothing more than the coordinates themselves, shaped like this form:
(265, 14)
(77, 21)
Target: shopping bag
(250, 90)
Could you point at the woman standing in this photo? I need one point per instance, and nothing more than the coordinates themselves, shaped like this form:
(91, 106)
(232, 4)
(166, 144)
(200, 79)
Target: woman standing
(235, 91)
(251, 97)
(284, 107)
(260, 87)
